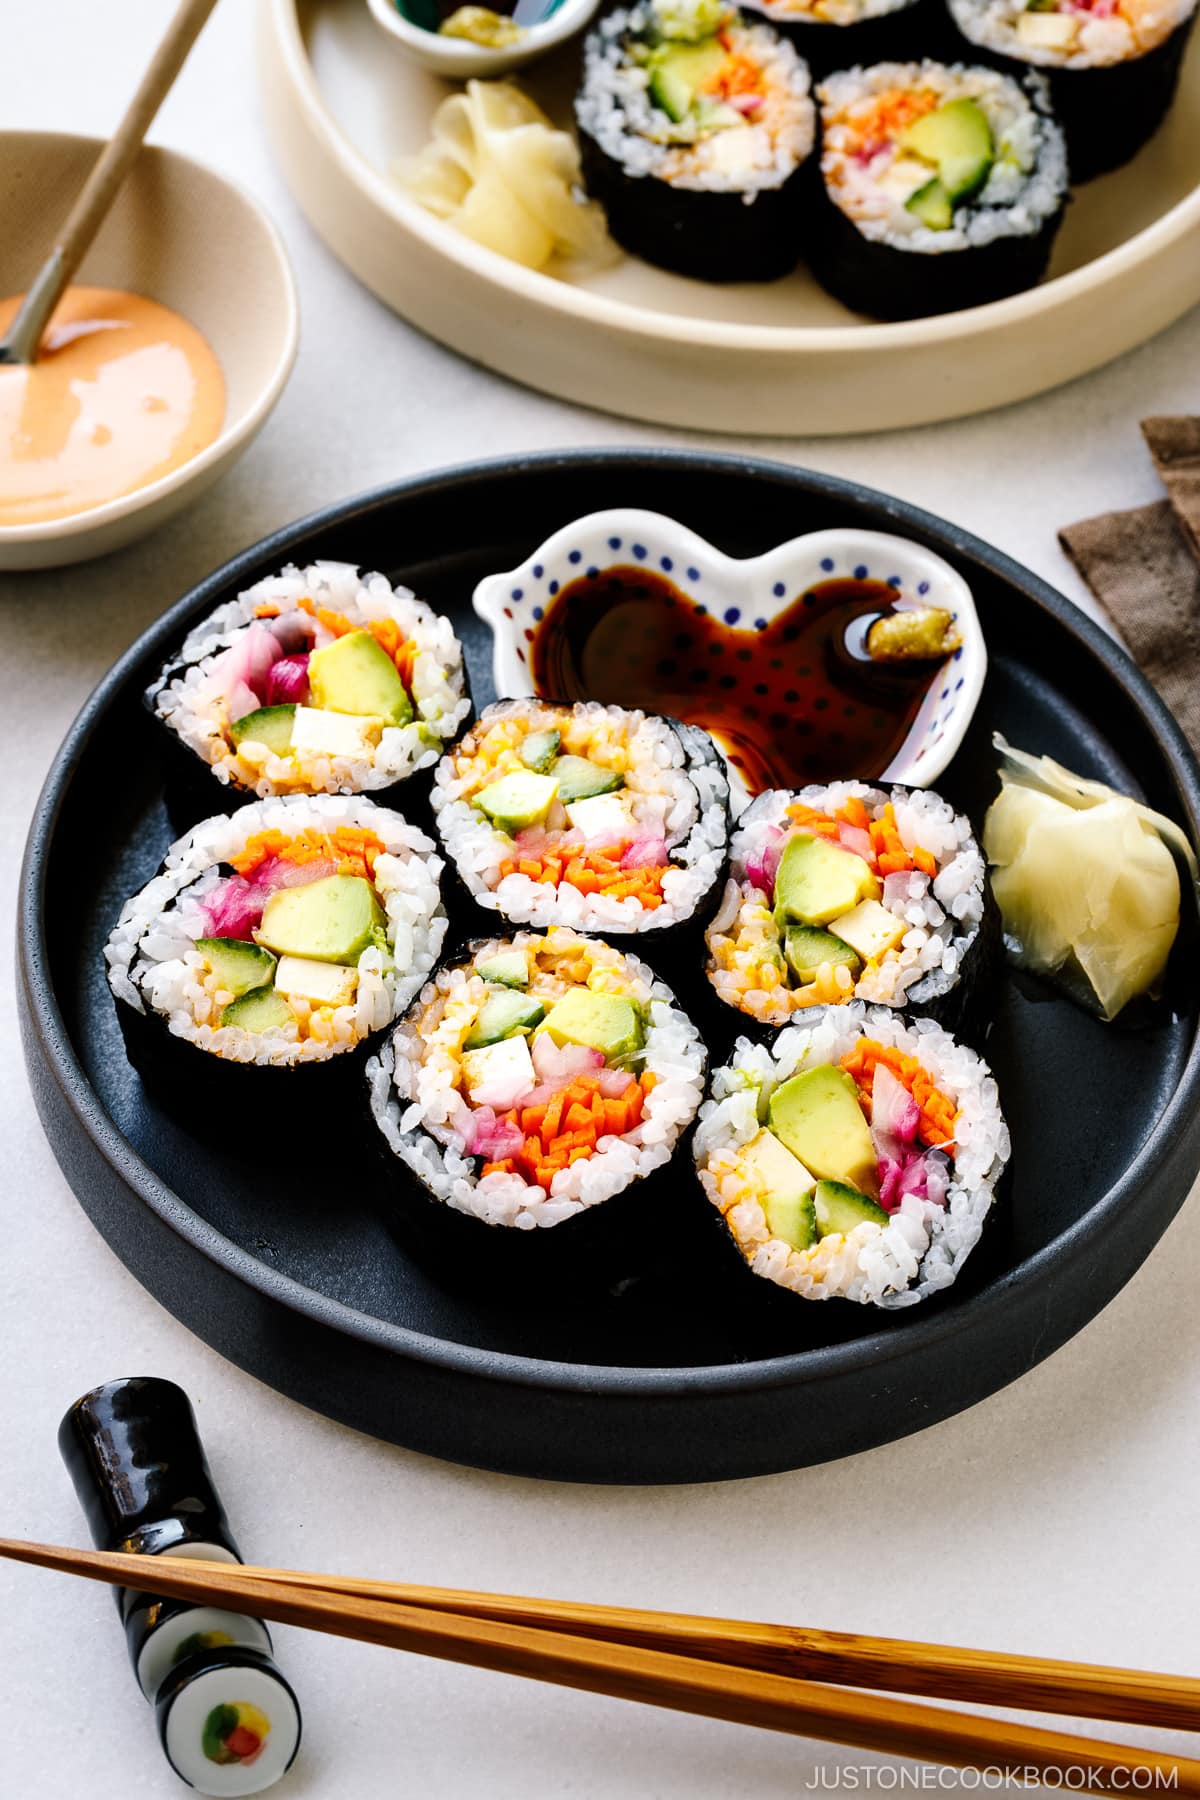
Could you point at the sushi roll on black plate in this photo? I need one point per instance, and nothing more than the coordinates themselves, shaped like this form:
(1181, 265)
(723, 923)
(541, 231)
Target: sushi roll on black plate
(838, 34)
(314, 681)
(274, 940)
(1112, 65)
(697, 129)
(850, 892)
(538, 1092)
(944, 187)
(857, 1158)
(595, 817)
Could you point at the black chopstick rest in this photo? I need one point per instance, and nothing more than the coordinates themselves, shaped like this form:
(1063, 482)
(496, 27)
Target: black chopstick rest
(228, 1720)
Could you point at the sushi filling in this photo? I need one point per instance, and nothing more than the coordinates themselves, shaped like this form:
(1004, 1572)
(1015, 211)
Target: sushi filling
(316, 681)
(831, 12)
(857, 1159)
(841, 893)
(937, 159)
(590, 816)
(1070, 34)
(285, 934)
(539, 1079)
(687, 92)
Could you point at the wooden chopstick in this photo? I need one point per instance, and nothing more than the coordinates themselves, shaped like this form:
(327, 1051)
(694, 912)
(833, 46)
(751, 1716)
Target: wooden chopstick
(656, 1677)
(941, 1671)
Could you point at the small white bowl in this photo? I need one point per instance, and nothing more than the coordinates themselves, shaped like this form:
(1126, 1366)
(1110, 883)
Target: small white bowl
(748, 594)
(180, 234)
(460, 60)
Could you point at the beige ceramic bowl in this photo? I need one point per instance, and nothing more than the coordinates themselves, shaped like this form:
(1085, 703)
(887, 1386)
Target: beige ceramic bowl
(179, 234)
(780, 356)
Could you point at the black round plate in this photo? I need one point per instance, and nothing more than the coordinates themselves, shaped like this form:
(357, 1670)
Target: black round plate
(301, 1281)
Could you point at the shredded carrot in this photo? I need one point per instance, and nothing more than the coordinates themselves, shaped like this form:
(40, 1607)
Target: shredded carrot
(267, 610)
(569, 1127)
(925, 861)
(349, 847)
(939, 1115)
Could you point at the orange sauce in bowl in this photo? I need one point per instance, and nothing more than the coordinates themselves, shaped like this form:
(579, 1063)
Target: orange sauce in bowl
(123, 391)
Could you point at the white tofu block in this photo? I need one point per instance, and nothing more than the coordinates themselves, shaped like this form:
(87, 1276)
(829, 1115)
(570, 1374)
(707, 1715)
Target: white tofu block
(869, 928)
(332, 733)
(773, 1163)
(499, 1070)
(1048, 30)
(325, 984)
(603, 816)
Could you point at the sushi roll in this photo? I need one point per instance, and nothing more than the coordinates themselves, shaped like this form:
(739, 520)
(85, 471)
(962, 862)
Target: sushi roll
(533, 1091)
(1112, 65)
(851, 892)
(590, 816)
(282, 936)
(838, 34)
(944, 187)
(696, 129)
(855, 1159)
(314, 681)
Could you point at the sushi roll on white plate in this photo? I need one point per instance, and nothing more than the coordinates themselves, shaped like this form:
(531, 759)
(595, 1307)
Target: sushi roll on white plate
(855, 1159)
(596, 817)
(313, 681)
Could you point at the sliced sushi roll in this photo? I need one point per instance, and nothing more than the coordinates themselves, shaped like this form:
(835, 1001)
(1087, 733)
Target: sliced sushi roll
(850, 892)
(282, 936)
(314, 681)
(944, 187)
(590, 816)
(533, 1090)
(696, 129)
(855, 1159)
(838, 34)
(1112, 65)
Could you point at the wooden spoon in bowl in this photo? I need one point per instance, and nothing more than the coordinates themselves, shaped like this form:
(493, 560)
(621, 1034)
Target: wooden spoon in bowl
(20, 342)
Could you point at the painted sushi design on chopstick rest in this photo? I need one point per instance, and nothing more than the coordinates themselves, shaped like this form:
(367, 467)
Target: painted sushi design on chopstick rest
(533, 1091)
(944, 187)
(855, 1159)
(282, 936)
(849, 892)
(596, 817)
(228, 1721)
(840, 34)
(314, 681)
(1112, 65)
(697, 129)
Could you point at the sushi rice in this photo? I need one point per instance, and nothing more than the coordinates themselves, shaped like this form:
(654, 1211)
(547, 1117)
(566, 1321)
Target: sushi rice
(940, 906)
(925, 1241)
(422, 1103)
(154, 965)
(201, 694)
(650, 870)
(1063, 34)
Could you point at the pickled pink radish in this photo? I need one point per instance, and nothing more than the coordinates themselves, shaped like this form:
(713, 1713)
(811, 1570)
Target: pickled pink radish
(645, 852)
(853, 837)
(553, 1062)
(287, 681)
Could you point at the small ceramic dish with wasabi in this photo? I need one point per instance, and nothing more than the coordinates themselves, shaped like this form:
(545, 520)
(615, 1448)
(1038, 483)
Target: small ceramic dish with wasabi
(465, 41)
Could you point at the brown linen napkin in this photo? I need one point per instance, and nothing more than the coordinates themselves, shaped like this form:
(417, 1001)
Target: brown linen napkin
(1144, 568)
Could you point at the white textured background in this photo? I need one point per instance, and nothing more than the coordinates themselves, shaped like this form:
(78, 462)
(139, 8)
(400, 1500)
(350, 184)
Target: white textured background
(1058, 1517)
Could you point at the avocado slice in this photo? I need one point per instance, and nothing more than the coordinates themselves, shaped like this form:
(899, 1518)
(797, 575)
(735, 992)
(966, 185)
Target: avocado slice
(331, 920)
(237, 966)
(932, 205)
(502, 1015)
(269, 725)
(355, 674)
(957, 140)
(806, 947)
(540, 749)
(841, 1208)
(580, 779)
(818, 1117)
(604, 1022)
(508, 967)
(818, 881)
(518, 800)
(262, 1009)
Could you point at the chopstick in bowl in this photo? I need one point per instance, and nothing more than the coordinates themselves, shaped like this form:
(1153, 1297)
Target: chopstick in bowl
(658, 1677)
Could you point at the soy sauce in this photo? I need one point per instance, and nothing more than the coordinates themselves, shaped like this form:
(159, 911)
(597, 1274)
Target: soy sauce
(795, 701)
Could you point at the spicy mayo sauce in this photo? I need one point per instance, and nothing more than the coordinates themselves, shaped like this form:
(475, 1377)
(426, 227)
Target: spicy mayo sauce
(123, 391)
(789, 703)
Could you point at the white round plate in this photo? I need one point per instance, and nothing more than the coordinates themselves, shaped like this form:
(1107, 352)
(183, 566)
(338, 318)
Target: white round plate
(343, 101)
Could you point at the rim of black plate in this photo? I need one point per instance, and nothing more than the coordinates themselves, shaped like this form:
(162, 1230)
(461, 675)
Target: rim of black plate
(922, 1331)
